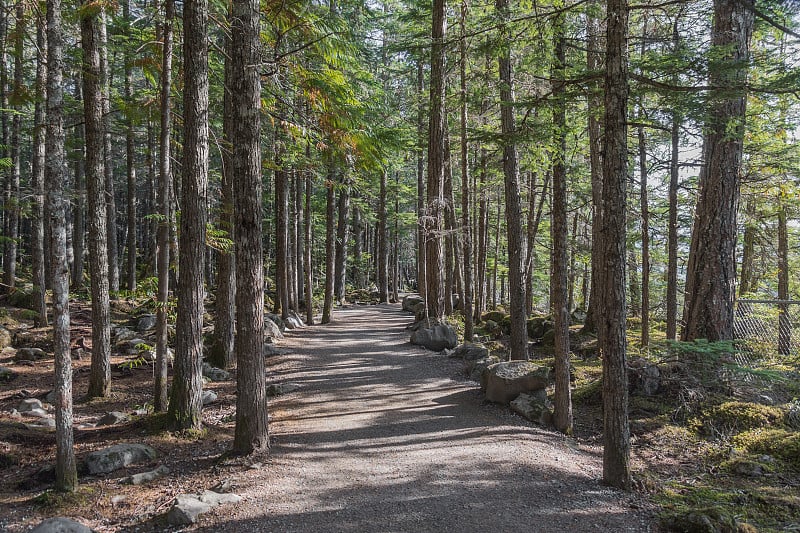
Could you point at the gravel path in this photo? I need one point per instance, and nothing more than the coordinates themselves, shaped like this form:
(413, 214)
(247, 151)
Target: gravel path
(384, 436)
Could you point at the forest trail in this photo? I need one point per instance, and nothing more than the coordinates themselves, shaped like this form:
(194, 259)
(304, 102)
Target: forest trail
(385, 436)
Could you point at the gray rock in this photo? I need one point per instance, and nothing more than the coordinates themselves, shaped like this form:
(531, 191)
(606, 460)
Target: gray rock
(29, 404)
(209, 396)
(436, 338)
(188, 507)
(278, 321)
(503, 382)
(131, 346)
(51, 397)
(271, 328)
(43, 423)
(6, 374)
(39, 413)
(186, 510)
(146, 323)
(470, 352)
(150, 355)
(29, 354)
(5, 338)
(216, 498)
(419, 311)
(60, 525)
(111, 418)
(118, 456)
(215, 374)
(293, 323)
(124, 334)
(270, 350)
(533, 407)
(276, 389)
(475, 369)
(147, 477)
(643, 377)
(410, 302)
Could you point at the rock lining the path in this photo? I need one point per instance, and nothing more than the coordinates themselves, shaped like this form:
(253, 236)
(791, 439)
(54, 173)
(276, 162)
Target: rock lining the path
(435, 338)
(503, 382)
(188, 507)
(146, 477)
(119, 456)
(60, 524)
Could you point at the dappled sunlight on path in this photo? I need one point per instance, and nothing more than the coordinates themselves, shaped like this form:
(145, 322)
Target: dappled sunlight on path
(385, 436)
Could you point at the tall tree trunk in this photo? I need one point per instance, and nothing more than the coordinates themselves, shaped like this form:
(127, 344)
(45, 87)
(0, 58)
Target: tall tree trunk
(37, 176)
(434, 255)
(483, 238)
(281, 239)
(466, 223)
(421, 207)
(13, 208)
(449, 252)
(533, 232)
(225, 307)
(185, 399)
(594, 112)
(165, 210)
(91, 40)
(297, 248)
(308, 227)
(562, 412)
(130, 160)
(611, 310)
(645, 238)
(330, 245)
(396, 261)
(496, 264)
(518, 344)
(251, 434)
(342, 238)
(711, 273)
(108, 158)
(66, 469)
(383, 242)
(672, 232)
(79, 212)
(359, 269)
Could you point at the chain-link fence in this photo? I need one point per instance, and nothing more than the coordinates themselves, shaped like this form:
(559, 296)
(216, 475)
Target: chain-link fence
(770, 329)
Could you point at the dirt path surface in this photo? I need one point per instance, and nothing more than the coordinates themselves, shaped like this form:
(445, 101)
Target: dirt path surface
(385, 436)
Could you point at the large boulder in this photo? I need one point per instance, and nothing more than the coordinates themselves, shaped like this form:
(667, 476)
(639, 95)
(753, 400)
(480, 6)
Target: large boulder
(60, 525)
(410, 302)
(29, 404)
(503, 382)
(533, 407)
(215, 374)
(494, 316)
(146, 323)
(277, 320)
(112, 418)
(6, 374)
(538, 326)
(436, 338)
(643, 377)
(188, 507)
(118, 456)
(29, 354)
(470, 352)
(475, 369)
(271, 329)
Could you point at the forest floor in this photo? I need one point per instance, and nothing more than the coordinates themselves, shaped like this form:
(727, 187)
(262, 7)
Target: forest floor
(380, 436)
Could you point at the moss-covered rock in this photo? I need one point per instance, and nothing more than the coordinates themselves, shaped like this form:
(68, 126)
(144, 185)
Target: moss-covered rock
(495, 316)
(779, 443)
(730, 418)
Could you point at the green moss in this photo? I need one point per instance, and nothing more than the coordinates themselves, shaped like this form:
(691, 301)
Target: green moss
(61, 501)
(730, 418)
(780, 443)
(589, 393)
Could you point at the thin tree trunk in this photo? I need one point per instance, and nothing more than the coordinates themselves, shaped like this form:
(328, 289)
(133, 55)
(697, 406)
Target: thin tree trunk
(225, 308)
(672, 232)
(518, 344)
(342, 238)
(383, 242)
(421, 208)
(37, 176)
(308, 227)
(91, 40)
(130, 162)
(330, 246)
(496, 253)
(165, 210)
(185, 399)
(483, 238)
(108, 161)
(645, 238)
(281, 240)
(562, 412)
(466, 222)
(66, 469)
(611, 312)
(784, 319)
(13, 209)
(748, 247)
(79, 212)
(252, 430)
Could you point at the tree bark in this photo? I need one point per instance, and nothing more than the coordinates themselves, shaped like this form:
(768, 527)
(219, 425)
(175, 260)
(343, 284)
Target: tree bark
(281, 240)
(518, 344)
(79, 211)
(251, 434)
(185, 399)
(308, 227)
(91, 40)
(108, 157)
(342, 238)
(748, 247)
(562, 412)
(784, 319)
(130, 161)
(434, 217)
(37, 176)
(611, 313)
(672, 232)
(12, 209)
(165, 210)
(645, 212)
(421, 192)
(66, 469)
(383, 242)
(711, 274)
(330, 246)
(466, 193)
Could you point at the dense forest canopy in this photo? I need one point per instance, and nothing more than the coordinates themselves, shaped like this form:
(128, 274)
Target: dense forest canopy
(599, 162)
